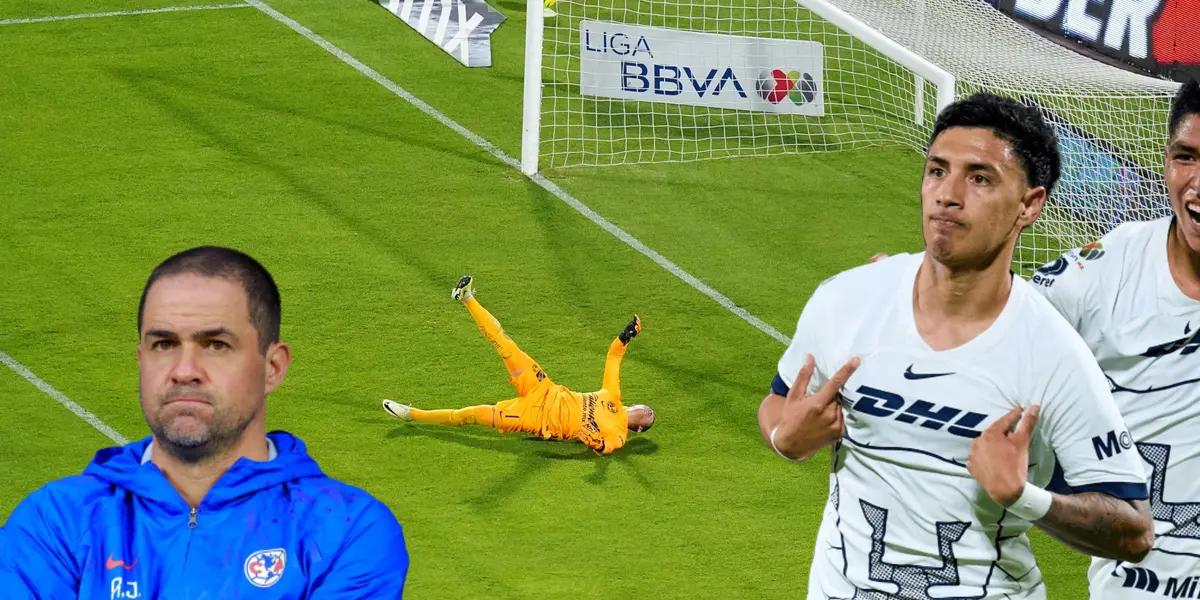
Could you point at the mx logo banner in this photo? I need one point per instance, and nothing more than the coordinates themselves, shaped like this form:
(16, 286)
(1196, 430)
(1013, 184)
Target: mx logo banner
(463, 28)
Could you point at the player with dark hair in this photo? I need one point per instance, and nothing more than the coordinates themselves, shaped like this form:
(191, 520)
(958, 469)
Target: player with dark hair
(1134, 297)
(1029, 138)
(209, 505)
(543, 407)
(262, 296)
(1184, 106)
(952, 394)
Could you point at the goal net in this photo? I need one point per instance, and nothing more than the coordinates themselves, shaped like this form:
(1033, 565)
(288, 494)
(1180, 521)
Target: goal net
(642, 81)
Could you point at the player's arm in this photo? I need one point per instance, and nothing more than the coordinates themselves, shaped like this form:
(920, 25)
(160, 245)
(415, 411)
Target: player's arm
(798, 420)
(1092, 522)
(796, 424)
(372, 562)
(35, 553)
(1101, 525)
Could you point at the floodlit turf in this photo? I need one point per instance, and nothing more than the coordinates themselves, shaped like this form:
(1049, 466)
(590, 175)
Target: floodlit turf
(129, 138)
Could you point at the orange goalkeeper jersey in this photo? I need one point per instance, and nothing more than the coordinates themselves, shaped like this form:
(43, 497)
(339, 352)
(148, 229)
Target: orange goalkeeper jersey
(552, 411)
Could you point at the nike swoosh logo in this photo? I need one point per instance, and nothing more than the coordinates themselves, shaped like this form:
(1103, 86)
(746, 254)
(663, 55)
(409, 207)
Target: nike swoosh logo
(908, 374)
(112, 564)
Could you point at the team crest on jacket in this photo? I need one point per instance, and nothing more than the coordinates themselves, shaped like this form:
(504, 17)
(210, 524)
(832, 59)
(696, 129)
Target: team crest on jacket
(265, 567)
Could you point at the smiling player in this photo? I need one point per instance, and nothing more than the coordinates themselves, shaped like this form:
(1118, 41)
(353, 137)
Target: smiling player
(1134, 296)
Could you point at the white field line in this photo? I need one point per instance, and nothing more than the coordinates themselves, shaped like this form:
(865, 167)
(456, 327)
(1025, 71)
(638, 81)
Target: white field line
(546, 184)
(122, 13)
(424, 107)
(62, 399)
(11, 362)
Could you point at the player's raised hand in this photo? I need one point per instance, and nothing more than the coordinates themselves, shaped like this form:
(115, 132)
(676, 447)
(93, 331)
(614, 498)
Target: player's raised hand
(999, 458)
(810, 422)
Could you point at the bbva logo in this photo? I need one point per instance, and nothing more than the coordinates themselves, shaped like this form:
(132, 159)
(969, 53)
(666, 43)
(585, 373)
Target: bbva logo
(773, 85)
(673, 80)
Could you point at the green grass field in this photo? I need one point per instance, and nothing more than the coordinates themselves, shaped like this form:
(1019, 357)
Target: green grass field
(128, 138)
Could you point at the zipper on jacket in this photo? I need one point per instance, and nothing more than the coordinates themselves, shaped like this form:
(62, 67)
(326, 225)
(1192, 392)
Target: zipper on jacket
(192, 518)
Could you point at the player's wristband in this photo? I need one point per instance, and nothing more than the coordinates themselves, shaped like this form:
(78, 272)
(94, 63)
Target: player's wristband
(776, 448)
(1033, 504)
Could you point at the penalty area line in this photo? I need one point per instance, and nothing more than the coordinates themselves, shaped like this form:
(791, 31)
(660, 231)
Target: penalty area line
(537, 178)
(122, 13)
(62, 399)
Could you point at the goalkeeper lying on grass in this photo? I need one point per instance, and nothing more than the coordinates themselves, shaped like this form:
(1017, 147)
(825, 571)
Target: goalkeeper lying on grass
(542, 407)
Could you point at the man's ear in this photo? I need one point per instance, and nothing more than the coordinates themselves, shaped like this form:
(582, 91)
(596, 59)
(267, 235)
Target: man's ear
(279, 358)
(1032, 204)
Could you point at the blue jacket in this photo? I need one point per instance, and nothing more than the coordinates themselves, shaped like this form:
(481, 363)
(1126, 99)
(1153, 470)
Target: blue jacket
(266, 530)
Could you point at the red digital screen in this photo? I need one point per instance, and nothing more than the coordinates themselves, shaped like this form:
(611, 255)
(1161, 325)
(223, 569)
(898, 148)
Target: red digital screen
(1159, 36)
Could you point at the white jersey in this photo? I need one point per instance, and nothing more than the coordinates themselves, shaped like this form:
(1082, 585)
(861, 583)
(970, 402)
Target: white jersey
(1120, 296)
(904, 518)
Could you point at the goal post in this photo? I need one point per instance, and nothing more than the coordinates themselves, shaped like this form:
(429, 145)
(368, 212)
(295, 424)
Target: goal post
(531, 119)
(922, 69)
(611, 82)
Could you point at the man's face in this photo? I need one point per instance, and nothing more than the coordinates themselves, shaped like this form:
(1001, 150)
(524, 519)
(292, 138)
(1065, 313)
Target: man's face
(203, 379)
(1183, 180)
(975, 198)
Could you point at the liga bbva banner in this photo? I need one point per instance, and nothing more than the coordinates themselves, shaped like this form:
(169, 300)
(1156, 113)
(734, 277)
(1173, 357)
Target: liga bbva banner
(463, 28)
(653, 64)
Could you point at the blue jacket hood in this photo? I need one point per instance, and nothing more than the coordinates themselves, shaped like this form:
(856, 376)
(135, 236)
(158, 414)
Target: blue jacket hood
(122, 466)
